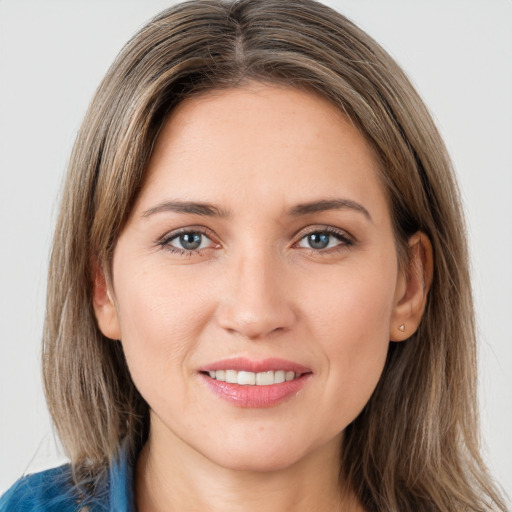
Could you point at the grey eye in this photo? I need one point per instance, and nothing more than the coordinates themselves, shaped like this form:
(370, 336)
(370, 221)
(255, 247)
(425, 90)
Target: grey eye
(319, 240)
(189, 241)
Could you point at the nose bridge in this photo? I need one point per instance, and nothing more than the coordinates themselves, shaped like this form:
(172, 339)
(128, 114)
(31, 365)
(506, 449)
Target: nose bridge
(255, 302)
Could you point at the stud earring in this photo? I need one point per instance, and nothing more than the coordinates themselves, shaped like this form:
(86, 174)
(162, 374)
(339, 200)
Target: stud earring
(402, 328)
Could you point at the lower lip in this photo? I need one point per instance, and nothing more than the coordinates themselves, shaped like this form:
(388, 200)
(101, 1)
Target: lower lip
(256, 396)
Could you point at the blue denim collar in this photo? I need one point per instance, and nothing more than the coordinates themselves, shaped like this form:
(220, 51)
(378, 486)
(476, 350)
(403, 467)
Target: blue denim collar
(121, 483)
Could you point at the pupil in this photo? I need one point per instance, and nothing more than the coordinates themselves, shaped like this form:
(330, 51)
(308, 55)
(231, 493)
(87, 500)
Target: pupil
(318, 240)
(190, 241)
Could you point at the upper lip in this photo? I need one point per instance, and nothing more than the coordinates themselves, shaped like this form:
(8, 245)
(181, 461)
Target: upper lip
(252, 365)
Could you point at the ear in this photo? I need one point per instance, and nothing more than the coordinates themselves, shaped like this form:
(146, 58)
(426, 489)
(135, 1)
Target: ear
(412, 289)
(104, 307)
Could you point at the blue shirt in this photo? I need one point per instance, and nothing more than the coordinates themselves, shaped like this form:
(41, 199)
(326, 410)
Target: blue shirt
(53, 491)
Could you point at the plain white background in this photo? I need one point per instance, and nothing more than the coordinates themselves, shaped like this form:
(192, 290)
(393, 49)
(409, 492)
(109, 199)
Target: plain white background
(54, 53)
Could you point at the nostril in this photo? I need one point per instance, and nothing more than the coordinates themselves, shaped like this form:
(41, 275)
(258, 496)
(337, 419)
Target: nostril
(255, 310)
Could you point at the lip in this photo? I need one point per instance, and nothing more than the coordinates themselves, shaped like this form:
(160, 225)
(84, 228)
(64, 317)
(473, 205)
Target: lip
(255, 396)
(250, 365)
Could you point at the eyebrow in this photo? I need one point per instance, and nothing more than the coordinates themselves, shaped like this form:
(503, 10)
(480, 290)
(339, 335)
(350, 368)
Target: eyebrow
(210, 210)
(191, 207)
(329, 204)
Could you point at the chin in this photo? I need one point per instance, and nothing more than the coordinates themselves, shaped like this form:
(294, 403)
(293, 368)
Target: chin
(256, 461)
(267, 453)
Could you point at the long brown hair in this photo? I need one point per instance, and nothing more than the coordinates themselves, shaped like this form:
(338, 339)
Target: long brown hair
(415, 446)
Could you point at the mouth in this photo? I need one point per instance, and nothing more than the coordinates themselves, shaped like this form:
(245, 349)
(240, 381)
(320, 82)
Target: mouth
(255, 384)
(246, 378)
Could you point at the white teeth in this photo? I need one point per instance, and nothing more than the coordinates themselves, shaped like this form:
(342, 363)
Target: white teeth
(265, 378)
(279, 377)
(244, 378)
(231, 376)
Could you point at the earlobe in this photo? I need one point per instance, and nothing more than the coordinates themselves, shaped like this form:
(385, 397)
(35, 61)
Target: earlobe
(104, 306)
(412, 289)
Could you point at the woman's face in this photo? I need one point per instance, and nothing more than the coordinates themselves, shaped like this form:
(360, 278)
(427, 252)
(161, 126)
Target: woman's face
(260, 249)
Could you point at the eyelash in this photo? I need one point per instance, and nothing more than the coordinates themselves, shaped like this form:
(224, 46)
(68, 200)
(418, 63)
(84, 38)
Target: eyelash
(345, 240)
(165, 241)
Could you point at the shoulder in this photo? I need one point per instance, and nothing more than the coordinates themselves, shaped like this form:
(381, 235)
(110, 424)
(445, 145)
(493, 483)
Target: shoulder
(53, 490)
(47, 491)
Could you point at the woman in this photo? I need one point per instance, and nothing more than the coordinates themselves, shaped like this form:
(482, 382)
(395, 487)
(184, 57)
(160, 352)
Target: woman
(257, 204)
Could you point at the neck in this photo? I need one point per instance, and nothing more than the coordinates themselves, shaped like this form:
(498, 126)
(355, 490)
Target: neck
(174, 477)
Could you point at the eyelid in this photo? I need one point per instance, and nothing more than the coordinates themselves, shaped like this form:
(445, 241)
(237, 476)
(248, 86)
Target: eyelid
(164, 240)
(346, 239)
(319, 228)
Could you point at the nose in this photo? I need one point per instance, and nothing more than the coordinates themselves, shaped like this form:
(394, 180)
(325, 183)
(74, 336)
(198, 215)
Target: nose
(256, 301)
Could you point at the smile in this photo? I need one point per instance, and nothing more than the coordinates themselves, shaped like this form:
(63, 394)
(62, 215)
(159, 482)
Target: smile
(251, 383)
(245, 378)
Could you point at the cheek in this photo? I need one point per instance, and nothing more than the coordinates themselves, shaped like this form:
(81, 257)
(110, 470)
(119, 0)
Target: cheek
(159, 327)
(352, 322)
(351, 305)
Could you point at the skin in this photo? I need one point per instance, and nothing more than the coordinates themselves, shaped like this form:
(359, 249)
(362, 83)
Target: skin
(256, 288)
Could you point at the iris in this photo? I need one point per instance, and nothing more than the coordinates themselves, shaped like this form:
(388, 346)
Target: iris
(190, 241)
(318, 240)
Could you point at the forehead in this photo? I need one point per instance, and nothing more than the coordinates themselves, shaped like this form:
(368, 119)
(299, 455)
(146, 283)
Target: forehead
(260, 142)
